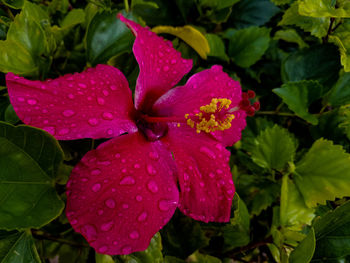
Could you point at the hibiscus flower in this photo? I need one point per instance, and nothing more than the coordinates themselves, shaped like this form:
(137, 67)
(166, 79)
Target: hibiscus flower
(167, 150)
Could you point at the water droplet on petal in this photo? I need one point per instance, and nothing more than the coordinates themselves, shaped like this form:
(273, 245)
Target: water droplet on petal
(95, 172)
(100, 212)
(113, 87)
(163, 205)
(105, 92)
(153, 155)
(211, 175)
(117, 155)
(102, 249)
(71, 96)
(138, 198)
(115, 243)
(74, 221)
(110, 132)
(93, 121)
(152, 186)
(89, 231)
(110, 203)
(126, 250)
(134, 235)
(68, 113)
(166, 68)
(82, 85)
(186, 177)
(173, 61)
(219, 171)
(207, 152)
(137, 166)
(150, 169)
(127, 180)
(20, 99)
(142, 217)
(125, 206)
(32, 101)
(63, 131)
(100, 101)
(50, 130)
(107, 226)
(107, 116)
(96, 187)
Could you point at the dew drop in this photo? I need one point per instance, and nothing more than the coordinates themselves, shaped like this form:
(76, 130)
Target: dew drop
(207, 152)
(127, 180)
(100, 212)
(150, 169)
(113, 87)
(186, 177)
(219, 171)
(95, 172)
(166, 68)
(117, 155)
(89, 231)
(115, 243)
(138, 198)
(102, 249)
(211, 175)
(173, 61)
(96, 187)
(63, 131)
(82, 85)
(74, 221)
(105, 92)
(201, 184)
(125, 206)
(152, 186)
(110, 132)
(163, 205)
(107, 116)
(100, 101)
(134, 235)
(107, 226)
(68, 113)
(126, 250)
(136, 166)
(110, 203)
(50, 130)
(142, 217)
(32, 101)
(153, 155)
(93, 121)
(20, 99)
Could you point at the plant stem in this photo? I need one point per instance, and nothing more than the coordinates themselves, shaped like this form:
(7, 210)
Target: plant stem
(276, 113)
(240, 250)
(38, 234)
(126, 3)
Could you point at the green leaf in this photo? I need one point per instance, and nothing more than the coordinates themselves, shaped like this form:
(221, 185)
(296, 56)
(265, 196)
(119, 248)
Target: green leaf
(274, 148)
(341, 38)
(101, 258)
(17, 247)
(202, 258)
(281, 2)
(304, 251)
(324, 8)
(10, 115)
(190, 35)
(323, 173)
(299, 95)
(247, 45)
(170, 259)
(318, 27)
(333, 235)
(216, 47)
(248, 13)
(16, 4)
(321, 62)
(107, 37)
(345, 122)
(237, 233)
(294, 213)
(291, 36)
(264, 197)
(74, 17)
(340, 93)
(143, 2)
(29, 159)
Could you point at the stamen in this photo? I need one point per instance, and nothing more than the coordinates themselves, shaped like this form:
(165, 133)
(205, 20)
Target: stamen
(212, 117)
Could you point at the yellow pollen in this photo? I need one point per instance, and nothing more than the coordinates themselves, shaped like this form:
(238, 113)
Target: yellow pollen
(207, 120)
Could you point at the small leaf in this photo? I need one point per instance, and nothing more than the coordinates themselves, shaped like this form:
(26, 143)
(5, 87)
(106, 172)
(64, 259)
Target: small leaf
(190, 35)
(324, 8)
(323, 173)
(29, 159)
(153, 254)
(341, 38)
(17, 247)
(10, 115)
(143, 2)
(294, 213)
(248, 13)
(281, 2)
(217, 47)
(318, 27)
(304, 251)
(101, 258)
(333, 235)
(202, 258)
(74, 17)
(299, 95)
(16, 4)
(274, 147)
(340, 93)
(247, 45)
(290, 35)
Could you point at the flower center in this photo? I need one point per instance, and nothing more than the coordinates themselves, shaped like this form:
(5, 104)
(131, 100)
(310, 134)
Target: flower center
(216, 116)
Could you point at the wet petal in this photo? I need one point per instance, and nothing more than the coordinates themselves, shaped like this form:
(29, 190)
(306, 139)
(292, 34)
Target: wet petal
(122, 193)
(200, 89)
(161, 66)
(203, 173)
(96, 103)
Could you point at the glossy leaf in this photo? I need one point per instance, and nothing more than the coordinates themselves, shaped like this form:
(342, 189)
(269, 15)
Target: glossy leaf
(281, 2)
(247, 45)
(248, 13)
(340, 93)
(74, 17)
(10, 115)
(274, 147)
(333, 235)
(299, 95)
(29, 162)
(324, 8)
(294, 213)
(291, 35)
(304, 251)
(341, 38)
(190, 35)
(16, 4)
(323, 173)
(107, 37)
(197, 257)
(316, 26)
(17, 247)
(216, 46)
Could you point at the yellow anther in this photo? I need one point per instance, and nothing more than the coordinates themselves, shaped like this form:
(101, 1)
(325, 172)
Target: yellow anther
(210, 118)
(178, 125)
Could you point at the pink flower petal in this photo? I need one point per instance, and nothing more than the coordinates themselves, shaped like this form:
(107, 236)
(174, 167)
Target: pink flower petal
(96, 103)
(122, 193)
(203, 173)
(161, 66)
(199, 91)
